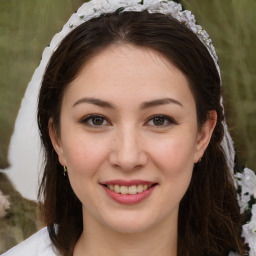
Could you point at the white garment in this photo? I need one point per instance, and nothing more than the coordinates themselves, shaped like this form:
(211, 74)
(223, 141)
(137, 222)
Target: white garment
(38, 244)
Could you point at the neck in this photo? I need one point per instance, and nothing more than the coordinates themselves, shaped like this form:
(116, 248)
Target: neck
(98, 239)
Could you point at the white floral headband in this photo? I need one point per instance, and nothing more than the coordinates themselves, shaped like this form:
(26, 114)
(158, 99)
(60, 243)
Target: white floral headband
(96, 8)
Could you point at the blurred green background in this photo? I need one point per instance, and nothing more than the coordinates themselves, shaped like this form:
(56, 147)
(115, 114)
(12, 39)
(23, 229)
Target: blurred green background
(26, 28)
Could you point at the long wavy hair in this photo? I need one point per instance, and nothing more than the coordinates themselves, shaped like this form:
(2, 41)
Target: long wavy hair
(209, 221)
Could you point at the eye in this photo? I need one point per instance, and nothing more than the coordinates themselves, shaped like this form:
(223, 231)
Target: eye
(161, 121)
(95, 120)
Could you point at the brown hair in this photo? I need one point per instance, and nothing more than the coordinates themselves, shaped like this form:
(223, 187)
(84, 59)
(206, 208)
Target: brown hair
(209, 219)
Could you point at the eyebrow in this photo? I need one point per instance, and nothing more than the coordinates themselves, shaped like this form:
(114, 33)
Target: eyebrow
(159, 102)
(94, 101)
(145, 105)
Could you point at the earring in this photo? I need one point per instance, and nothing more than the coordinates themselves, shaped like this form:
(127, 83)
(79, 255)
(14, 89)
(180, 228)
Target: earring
(65, 170)
(199, 160)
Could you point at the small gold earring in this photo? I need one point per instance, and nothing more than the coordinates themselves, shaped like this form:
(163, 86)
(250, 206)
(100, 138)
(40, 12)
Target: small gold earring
(65, 170)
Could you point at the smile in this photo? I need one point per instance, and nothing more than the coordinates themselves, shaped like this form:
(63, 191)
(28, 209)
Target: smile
(129, 190)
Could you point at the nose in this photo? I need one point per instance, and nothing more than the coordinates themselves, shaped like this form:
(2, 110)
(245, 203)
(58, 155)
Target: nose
(127, 151)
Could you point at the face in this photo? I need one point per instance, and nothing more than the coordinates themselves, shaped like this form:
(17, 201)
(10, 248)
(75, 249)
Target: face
(129, 138)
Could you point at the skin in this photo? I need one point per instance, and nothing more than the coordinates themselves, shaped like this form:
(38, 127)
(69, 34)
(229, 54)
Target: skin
(128, 143)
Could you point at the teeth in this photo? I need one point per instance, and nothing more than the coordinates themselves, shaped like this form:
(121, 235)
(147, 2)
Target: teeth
(116, 188)
(124, 190)
(140, 188)
(131, 190)
(145, 187)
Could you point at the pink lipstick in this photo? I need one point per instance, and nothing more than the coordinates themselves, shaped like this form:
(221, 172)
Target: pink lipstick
(128, 192)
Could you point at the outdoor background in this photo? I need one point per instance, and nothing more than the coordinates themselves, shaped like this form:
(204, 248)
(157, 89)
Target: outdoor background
(26, 28)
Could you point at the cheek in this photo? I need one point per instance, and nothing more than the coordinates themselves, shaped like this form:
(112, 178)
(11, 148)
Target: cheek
(175, 161)
(175, 154)
(85, 154)
(174, 157)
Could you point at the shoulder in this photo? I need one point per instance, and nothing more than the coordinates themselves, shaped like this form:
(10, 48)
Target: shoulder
(38, 244)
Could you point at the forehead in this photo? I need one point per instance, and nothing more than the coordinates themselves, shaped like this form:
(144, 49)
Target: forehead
(129, 72)
(117, 56)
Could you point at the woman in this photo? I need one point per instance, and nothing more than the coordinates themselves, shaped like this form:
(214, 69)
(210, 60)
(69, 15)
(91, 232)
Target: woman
(138, 159)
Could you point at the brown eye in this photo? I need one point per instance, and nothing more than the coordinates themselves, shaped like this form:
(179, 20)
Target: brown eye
(161, 121)
(94, 121)
(158, 121)
(97, 120)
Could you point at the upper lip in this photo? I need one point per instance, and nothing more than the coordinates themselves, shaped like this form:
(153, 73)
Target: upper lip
(128, 182)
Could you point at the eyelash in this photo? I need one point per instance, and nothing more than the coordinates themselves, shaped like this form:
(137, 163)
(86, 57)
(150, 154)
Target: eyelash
(89, 118)
(166, 118)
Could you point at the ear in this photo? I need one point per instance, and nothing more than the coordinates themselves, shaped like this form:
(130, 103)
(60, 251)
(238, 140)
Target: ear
(205, 134)
(56, 142)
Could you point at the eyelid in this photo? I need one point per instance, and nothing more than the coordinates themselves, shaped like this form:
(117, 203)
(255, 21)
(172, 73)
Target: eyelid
(170, 120)
(166, 117)
(85, 120)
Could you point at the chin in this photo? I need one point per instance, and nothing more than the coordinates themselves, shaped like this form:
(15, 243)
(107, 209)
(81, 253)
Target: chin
(131, 223)
(129, 227)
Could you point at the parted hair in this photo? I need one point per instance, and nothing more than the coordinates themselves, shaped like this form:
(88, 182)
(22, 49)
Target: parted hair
(209, 222)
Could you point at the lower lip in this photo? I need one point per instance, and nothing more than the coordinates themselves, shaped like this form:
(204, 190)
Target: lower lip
(129, 199)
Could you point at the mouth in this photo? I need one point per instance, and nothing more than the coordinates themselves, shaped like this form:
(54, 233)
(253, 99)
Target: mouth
(129, 190)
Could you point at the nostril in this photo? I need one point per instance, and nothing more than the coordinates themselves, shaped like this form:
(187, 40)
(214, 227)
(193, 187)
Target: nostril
(128, 159)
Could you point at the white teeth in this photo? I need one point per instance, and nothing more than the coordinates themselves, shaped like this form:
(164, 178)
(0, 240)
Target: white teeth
(140, 188)
(117, 188)
(131, 190)
(124, 190)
